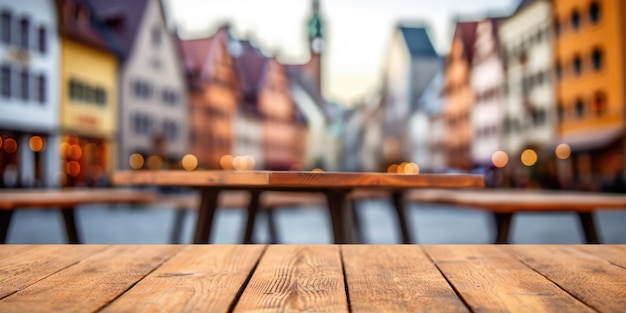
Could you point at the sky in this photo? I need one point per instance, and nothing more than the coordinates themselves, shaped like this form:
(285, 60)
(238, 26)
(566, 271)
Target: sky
(357, 32)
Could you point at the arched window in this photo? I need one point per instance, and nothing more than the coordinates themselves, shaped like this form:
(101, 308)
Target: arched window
(575, 20)
(580, 107)
(597, 59)
(577, 64)
(600, 103)
(594, 12)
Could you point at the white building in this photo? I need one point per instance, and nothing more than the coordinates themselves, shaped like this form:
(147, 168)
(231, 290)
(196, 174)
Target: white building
(427, 134)
(526, 40)
(487, 81)
(29, 100)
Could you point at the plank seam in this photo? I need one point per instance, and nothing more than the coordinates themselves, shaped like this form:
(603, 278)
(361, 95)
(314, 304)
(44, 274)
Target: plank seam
(519, 259)
(138, 280)
(607, 260)
(52, 273)
(456, 291)
(243, 287)
(345, 278)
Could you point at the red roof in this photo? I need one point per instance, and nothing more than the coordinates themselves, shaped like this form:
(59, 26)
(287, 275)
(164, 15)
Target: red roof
(251, 65)
(195, 53)
(76, 22)
(467, 33)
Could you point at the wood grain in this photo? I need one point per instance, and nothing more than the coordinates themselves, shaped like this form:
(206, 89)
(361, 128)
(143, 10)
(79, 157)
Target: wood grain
(191, 178)
(490, 280)
(298, 278)
(590, 279)
(65, 198)
(615, 254)
(387, 278)
(91, 283)
(199, 279)
(22, 266)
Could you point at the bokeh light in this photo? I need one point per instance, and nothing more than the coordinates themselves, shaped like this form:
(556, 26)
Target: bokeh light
(155, 162)
(226, 162)
(63, 147)
(189, 162)
(72, 168)
(136, 161)
(10, 145)
(563, 151)
(75, 152)
(393, 168)
(36, 143)
(529, 157)
(499, 159)
(0, 141)
(249, 162)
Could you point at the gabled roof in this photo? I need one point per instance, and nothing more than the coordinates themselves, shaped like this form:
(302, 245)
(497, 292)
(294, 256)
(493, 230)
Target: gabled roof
(251, 64)
(418, 42)
(467, 33)
(195, 53)
(298, 76)
(523, 4)
(77, 21)
(123, 17)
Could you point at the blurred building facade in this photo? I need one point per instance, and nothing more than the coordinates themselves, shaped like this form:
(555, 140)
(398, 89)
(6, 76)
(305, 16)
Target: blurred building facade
(153, 109)
(590, 45)
(88, 95)
(410, 66)
(29, 96)
(459, 97)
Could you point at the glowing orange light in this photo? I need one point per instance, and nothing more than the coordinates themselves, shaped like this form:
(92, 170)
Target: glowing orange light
(393, 168)
(226, 162)
(75, 152)
(36, 143)
(249, 162)
(317, 170)
(411, 168)
(0, 142)
(155, 162)
(72, 168)
(136, 161)
(10, 145)
(529, 157)
(189, 162)
(500, 159)
(63, 147)
(563, 151)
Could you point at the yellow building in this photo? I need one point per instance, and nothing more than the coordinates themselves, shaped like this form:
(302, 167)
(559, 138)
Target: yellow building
(590, 70)
(88, 92)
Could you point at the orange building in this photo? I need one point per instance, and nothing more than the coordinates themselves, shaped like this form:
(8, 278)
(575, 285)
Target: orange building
(590, 68)
(459, 97)
(214, 93)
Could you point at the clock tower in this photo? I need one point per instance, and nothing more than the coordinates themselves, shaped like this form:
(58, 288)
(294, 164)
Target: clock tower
(316, 44)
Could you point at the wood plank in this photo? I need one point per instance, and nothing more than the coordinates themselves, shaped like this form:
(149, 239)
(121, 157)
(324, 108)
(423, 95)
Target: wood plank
(28, 198)
(90, 284)
(24, 265)
(191, 178)
(592, 280)
(490, 280)
(369, 180)
(199, 279)
(388, 278)
(298, 278)
(615, 254)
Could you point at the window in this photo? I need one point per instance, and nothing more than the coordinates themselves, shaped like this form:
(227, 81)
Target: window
(24, 85)
(575, 20)
(142, 124)
(101, 96)
(83, 92)
(578, 65)
(580, 107)
(594, 13)
(600, 103)
(170, 129)
(6, 81)
(24, 32)
(142, 89)
(42, 45)
(41, 88)
(6, 27)
(156, 36)
(169, 97)
(597, 59)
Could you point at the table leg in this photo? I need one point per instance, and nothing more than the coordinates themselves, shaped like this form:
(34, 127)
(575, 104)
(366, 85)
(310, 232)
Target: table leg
(5, 222)
(271, 224)
(177, 229)
(253, 209)
(589, 227)
(69, 218)
(206, 212)
(503, 225)
(356, 222)
(397, 198)
(337, 209)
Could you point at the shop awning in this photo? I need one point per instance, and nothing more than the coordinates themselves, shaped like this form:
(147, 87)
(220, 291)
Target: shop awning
(594, 139)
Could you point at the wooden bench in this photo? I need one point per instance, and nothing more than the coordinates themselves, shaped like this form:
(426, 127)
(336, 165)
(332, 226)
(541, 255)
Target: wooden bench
(66, 200)
(313, 278)
(505, 203)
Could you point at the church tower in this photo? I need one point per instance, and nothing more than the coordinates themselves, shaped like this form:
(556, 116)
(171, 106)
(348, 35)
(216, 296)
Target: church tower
(316, 44)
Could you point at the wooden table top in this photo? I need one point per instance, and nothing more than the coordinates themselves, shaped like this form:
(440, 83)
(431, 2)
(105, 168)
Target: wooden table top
(319, 278)
(294, 180)
(509, 200)
(67, 197)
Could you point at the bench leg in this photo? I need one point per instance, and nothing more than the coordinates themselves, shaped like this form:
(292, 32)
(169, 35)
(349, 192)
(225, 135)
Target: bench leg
(356, 223)
(206, 212)
(177, 228)
(397, 199)
(253, 209)
(69, 218)
(589, 227)
(5, 222)
(336, 200)
(503, 225)
(271, 224)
